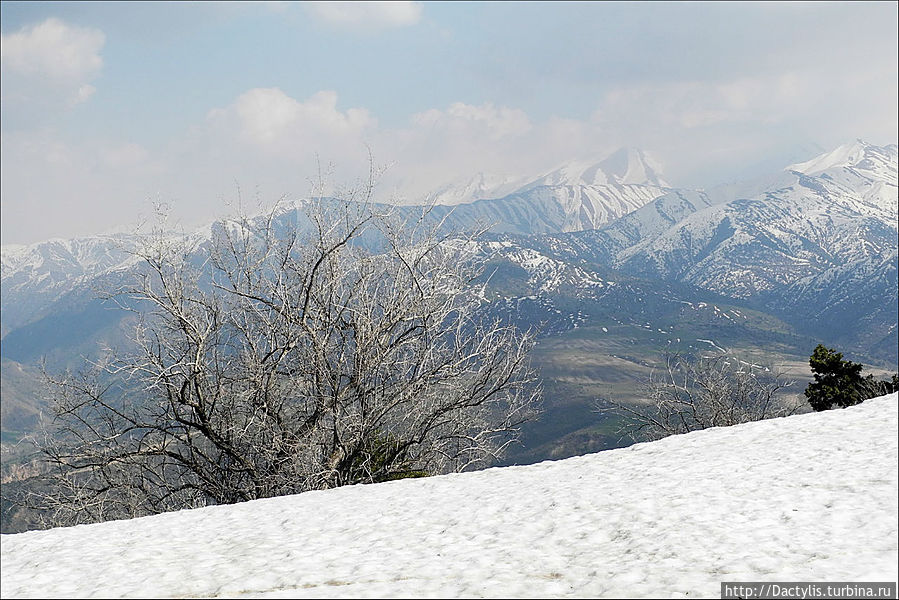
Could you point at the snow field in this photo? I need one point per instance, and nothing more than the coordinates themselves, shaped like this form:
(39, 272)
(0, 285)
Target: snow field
(804, 498)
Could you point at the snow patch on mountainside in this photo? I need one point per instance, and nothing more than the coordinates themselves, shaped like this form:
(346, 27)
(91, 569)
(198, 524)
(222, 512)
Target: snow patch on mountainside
(805, 498)
(545, 274)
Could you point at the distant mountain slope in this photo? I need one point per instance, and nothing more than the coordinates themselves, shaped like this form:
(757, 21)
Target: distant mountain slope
(35, 276)
(21, 386)
(813, 246)
(552, 208)
(668, 518)
(856, 301)
(573, 197)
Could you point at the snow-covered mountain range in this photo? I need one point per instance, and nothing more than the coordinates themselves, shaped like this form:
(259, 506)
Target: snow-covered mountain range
(790, 240)
(816, 241)
(791, 225)
(672, 518)
(34, 276)
(805, 255)
(830, 209)
(573, 197)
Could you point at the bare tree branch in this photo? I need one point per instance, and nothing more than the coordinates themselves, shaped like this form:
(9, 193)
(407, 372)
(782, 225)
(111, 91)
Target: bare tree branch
(691, 393)
(278, 358)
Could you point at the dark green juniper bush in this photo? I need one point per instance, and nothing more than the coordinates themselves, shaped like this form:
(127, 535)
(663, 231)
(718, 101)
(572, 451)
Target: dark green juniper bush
(839, 383)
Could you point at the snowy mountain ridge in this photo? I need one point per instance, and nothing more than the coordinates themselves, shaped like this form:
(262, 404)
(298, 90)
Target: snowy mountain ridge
(862, 170)
(34, 276)
(568, 199)
(576, 196)
(671, 518)
(547, 209)
(774, 239)
(627, 172)
(843, 214)
(845, 155)
(626, 166)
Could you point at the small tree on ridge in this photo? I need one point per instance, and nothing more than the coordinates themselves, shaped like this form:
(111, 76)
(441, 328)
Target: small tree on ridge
(839, 383)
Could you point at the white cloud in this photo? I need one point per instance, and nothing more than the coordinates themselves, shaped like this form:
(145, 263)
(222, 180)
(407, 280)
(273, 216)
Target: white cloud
(439, 146)
(269, 118)
(268, 141)
(84, 93)
(265, 135)
(700, 131)
(51, 57)
(55, 51)
(265, 114)
(497, 122)
(366, 14)
(706, 129)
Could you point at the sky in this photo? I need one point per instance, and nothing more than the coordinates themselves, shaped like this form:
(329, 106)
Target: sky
(109, 108)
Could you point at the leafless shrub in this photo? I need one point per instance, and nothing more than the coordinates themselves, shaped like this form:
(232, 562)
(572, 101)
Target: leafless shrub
(697, 392)
(278, 359)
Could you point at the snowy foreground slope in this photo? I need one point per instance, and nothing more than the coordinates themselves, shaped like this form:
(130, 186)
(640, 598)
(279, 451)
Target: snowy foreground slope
(810, 497)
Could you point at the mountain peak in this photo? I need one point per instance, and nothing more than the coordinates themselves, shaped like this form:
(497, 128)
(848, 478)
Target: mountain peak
(625, 166)
(847, 155)
(633, 166)
(477, 187)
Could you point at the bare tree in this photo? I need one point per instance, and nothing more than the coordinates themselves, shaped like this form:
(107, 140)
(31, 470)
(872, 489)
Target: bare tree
(698, 392)
(287, 354)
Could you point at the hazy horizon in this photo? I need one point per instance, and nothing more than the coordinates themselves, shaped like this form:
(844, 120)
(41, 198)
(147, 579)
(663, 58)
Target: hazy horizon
(107, 107)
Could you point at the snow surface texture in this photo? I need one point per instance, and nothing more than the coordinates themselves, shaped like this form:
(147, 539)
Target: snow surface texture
(811, 497)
